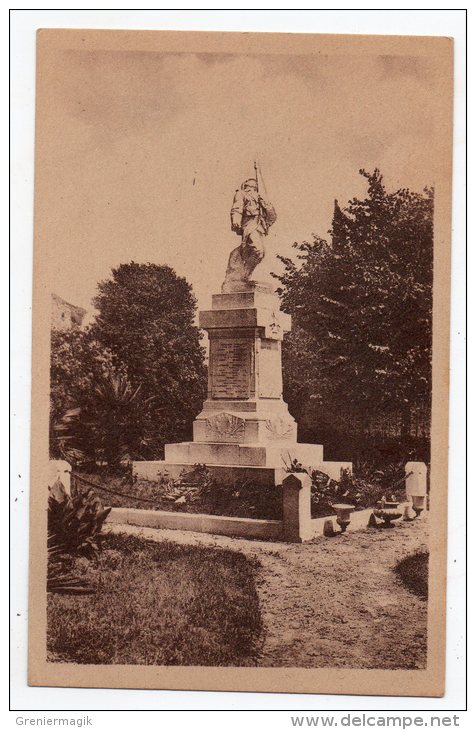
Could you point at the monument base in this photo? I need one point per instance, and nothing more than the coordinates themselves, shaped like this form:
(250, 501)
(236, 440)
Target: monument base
(263, 464)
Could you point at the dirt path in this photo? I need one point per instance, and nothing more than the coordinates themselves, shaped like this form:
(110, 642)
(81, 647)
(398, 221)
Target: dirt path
(334, 602)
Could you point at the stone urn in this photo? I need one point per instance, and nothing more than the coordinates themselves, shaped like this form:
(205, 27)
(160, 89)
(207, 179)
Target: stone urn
(343, 514)
(388, 512)
(418, 503)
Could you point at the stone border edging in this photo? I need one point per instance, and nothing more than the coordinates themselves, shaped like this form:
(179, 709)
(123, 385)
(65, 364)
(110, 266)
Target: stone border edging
(244, 527)
(217, 524)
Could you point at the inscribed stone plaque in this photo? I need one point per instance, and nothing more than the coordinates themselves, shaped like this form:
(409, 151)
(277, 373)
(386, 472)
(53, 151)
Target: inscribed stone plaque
(231, 368)
(270, 375)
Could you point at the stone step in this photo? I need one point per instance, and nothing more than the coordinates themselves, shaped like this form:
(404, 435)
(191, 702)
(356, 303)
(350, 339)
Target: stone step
(226, 474)
(229, 474)
(262, 455)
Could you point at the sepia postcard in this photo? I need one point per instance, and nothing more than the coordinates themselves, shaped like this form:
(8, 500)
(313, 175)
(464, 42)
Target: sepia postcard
(240, 361)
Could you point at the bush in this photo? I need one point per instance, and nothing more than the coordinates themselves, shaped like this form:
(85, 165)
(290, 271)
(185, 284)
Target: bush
(242, 498)
(108, 427)
(75, 523)
(77, 362)
(362, 490)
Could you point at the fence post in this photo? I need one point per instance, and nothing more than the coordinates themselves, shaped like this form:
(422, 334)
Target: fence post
(415, 480)
(60, 469)
(297, 507)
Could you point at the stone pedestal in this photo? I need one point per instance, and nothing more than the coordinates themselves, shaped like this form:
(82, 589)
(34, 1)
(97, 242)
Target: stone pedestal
(244, 430)
(415, 479)
(416, 484)
(297, 525)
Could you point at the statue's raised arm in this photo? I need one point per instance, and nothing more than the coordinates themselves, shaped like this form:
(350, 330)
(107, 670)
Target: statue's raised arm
(251, 217)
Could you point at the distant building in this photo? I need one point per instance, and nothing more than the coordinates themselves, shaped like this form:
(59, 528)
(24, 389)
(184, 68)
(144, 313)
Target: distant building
(65, 316)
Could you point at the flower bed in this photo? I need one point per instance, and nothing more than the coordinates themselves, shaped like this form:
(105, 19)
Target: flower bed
(197, 492)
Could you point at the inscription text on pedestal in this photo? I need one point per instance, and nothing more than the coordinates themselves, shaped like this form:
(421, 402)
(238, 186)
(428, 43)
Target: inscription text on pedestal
(231, 368)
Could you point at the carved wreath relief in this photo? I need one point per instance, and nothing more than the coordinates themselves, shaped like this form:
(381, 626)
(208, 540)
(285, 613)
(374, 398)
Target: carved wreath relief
(225, 424)
(279, 428)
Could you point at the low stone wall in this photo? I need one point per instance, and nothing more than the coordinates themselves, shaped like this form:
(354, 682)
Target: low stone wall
(251, 529)
(217, 524)
(297, 524)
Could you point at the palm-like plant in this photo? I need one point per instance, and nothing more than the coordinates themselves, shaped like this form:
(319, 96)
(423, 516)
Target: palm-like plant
(110, 426)
(74, 526)
(74, 523)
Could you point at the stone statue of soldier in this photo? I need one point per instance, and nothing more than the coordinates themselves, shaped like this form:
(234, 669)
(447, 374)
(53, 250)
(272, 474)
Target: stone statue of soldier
(251, 218)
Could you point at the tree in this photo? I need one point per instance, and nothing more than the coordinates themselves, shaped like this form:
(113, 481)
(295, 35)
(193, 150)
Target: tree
(146, 320)
(362, 310)
(77, 362)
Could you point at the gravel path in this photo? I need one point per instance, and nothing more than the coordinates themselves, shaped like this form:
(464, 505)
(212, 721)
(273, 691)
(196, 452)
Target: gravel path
(334, 602)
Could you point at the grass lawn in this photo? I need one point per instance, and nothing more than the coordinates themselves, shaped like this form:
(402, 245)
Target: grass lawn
(413, 573)
(159, 603)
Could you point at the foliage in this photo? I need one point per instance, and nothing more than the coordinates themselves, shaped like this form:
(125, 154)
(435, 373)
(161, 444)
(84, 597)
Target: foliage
(133, 380)
(159, 604)
(363, 490)
(146, 320)
(77, 362)
(242, 498)
(74, 523)
(362, 312)
(61, 576)
(413, 572)
(195, 491)
(110, 426)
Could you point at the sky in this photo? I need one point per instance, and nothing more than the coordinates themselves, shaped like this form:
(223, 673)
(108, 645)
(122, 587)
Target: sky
(146, 150)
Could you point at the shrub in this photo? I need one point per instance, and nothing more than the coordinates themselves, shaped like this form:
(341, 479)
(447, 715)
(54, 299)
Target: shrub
(196, 490)
(242, 497)
(362, 490)
(75, 523)
(109, 426)
(77, 362)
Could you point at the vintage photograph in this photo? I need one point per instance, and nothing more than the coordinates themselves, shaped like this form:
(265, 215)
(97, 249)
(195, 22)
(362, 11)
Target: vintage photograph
(241, 288)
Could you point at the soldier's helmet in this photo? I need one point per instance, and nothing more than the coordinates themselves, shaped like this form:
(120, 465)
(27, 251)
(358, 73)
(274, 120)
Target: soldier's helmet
(251, 182)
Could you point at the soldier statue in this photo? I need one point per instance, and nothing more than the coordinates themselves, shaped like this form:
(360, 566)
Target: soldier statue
(251, 217)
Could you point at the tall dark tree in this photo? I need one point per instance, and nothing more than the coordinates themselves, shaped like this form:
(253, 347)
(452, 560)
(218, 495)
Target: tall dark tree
(146, 320)
(362, 310)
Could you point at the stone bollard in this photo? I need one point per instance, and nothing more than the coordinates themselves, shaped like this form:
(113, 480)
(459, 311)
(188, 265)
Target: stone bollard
(297, 507)
(61, 470)
(415, 481)
(328, 530)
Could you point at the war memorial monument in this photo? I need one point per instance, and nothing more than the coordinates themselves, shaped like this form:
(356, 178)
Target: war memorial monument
(244, 430)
